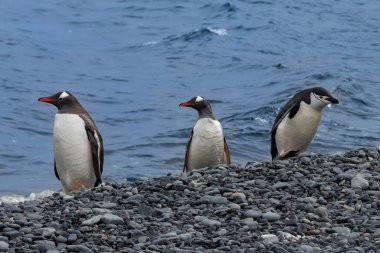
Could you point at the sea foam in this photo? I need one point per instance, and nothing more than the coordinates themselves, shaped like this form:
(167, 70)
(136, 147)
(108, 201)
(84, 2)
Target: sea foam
(14, 199)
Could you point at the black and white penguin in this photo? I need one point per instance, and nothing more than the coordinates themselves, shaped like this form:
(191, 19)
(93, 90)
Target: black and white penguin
(206, 145)
(297, 122)
(78, 145)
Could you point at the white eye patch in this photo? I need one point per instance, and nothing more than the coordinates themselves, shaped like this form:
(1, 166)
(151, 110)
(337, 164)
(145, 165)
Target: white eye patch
(63, 95)
(199, 99)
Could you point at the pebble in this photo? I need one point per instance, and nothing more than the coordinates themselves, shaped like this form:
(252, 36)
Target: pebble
(213, 200)
(111, 219)
(4, 246)
(358, 181)
(270, 238)
(79, 248)
(271, 216)
(92, 221)
(306, 248)
(310, 203)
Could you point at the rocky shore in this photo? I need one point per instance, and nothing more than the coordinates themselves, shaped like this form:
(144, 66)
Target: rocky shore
(312, 203)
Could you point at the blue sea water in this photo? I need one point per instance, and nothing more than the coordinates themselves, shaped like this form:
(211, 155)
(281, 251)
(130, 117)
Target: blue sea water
(131, 62)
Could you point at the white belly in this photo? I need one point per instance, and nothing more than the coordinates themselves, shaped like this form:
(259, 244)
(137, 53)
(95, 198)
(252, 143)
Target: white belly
(207, 145)
(72, 153)
(296, 134)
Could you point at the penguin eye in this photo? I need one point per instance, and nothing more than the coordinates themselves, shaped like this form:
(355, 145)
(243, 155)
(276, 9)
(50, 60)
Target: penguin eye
(60, 99)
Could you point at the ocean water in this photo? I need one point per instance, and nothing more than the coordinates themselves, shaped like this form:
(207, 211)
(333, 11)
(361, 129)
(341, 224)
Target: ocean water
(131, 63)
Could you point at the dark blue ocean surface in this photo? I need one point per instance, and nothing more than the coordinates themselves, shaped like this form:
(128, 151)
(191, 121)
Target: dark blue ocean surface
(131, 63)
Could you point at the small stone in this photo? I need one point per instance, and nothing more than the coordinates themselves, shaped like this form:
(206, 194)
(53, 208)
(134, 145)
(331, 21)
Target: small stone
(92, 221)
(3, 239)
(60, 239)
(111, 219)
(306, 248)
(52, 251)
(79, 248)
(143, 239)
(4, 246)
(344, 231)
(145, 210)
(100, 211)
(213, 200)
(253, 214)
(72, 238)
(270, 238)
(359, 182)
(45, 245)
(207, 222)
(222, 232)
(239, 197)
(136, 197)
(105, 205)
(281, 185)
(47, 232)
(322, 212)
(376, 233)
(271, 216)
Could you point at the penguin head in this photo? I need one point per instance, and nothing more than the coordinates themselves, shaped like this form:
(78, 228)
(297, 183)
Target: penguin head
(200, 104)
(62, 100)
(320, 97)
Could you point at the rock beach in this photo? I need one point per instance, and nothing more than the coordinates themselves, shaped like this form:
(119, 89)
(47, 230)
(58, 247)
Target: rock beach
(313, 203)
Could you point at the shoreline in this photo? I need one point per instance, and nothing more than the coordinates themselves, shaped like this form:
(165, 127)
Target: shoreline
(311, 203)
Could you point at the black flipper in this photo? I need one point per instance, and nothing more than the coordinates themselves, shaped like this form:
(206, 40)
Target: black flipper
(185, 164)
(294, 109)
(227, 152)
(55, 171)
(97, 153)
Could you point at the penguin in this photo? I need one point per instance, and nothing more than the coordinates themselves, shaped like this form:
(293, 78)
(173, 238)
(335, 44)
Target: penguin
(207, 145)
(78, 145)
(297, 122)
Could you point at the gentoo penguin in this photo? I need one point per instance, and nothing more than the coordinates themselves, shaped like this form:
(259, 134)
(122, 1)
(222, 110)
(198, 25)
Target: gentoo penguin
(297, 122)
(206, 145)
(78, 145)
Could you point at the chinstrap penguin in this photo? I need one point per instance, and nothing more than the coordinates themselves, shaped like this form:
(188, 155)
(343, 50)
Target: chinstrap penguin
(207, 145)
(297, 122)
(78, 145)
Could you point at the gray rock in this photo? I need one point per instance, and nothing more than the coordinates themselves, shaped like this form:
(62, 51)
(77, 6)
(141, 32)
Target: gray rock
(47, 232)
(270, 238)
(271, 216)
(253, 214)
(3, 239)
(72, 238)
(358, 181)
(281, 185)
(306, 248)
(145, 210)
(100, 211)
(207, 222)
(53, 251)
(136, 197)
(344, 231)
(322, 211)
(208, 199)
(92, 221)
(239, 197)
(45, 245)
(4, 246)
(105, 205)
(79, 248)
(111, 219)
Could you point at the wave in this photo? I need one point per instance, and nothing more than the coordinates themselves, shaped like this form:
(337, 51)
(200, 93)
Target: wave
(14, 199)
